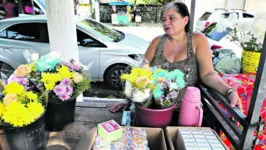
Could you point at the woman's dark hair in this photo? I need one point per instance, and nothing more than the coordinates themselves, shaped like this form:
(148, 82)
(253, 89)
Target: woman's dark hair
(180, 8)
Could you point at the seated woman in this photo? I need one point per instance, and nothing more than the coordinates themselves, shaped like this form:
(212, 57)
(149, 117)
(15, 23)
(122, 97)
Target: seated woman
(182, 49)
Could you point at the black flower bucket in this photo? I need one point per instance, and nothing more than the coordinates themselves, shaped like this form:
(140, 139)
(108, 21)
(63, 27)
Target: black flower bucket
(30, 137)
(59, 115)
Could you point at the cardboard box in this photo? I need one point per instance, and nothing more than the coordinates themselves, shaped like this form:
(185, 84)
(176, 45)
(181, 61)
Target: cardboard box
(155, 137)
(175, 140)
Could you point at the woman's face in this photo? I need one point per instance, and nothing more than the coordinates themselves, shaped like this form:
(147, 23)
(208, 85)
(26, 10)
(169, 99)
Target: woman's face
(173, 22)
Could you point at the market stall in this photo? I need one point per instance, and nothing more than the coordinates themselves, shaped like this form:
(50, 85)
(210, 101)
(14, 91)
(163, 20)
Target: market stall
(121, 17)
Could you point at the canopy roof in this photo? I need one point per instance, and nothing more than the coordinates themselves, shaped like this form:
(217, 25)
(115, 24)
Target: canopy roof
(120, 3)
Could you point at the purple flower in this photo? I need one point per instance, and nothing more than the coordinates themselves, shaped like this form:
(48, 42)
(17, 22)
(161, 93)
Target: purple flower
(71, 65)
(65, 82)
(59, 89)
(64, 97)
(20, 80)
(69, 90)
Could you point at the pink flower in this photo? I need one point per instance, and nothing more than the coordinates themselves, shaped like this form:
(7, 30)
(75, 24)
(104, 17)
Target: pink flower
(64, 97)
(20, 80)
(69, 90)
(59, 89)
(65, 82)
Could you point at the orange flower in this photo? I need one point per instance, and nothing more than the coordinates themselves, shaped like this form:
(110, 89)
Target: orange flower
(22, 71)
(142, 81)
(160, 79)
(77, 78)
(10, 98)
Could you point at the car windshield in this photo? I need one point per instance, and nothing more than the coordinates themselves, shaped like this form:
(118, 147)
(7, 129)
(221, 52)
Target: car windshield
(42, 2)
(205, 16)
(100, 30)
(211, 32)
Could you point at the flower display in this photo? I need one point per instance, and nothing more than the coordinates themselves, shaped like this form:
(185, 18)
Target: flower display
(151, 87)
(20, 107)
(248, 34)
(139, 85)
(168, 85)
(64, 79)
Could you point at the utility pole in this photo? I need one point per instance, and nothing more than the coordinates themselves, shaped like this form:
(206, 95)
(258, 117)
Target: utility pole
(62, 28)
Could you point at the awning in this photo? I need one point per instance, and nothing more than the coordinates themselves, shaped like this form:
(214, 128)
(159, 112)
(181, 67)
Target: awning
(120, 3)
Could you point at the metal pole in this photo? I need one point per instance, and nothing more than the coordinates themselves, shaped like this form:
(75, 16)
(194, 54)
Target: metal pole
(256, 101)
(192, 14)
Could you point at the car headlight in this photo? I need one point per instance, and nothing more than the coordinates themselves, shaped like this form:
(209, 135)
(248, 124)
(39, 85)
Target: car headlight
(137, 57)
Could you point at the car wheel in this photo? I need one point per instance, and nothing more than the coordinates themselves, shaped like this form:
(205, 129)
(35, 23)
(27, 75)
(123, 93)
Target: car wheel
(112, 77)
(5, 71)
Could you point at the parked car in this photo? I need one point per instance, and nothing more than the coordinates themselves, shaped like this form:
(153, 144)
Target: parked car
(208, 18)
(110, 51)
(219, 40)
(242, 15)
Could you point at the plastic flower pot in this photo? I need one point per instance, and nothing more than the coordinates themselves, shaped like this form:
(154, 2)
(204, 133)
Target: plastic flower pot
(59, 115)
(154, 117)
(30, 137)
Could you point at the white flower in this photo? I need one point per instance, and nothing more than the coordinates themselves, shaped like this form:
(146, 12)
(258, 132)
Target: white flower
(147, 93)
(233, 19)
(35, 56)
(222, 25)
(54, 54)
(141, 96)
(128, 89)
(245, 38)
(245, 25)
(173, 86)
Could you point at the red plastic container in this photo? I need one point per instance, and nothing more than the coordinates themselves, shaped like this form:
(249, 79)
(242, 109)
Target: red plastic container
(154, 117)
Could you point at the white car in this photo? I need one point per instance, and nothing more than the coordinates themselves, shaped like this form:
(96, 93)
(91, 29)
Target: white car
(110, 51)
(209, 17)
(242, 15)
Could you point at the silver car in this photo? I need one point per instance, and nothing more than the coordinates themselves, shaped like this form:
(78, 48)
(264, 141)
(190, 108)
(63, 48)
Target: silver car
(110, 51)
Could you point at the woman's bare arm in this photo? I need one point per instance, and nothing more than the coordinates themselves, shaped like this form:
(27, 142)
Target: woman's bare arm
(150, 52)
(207, 73)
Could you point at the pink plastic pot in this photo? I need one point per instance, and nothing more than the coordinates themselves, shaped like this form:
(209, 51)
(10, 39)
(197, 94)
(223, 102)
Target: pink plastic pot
(154, 117)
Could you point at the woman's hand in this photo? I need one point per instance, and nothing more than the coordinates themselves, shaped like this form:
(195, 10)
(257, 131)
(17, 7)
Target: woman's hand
(235, 101)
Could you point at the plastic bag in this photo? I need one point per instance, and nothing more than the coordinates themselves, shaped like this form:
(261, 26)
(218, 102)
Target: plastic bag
(226, 62)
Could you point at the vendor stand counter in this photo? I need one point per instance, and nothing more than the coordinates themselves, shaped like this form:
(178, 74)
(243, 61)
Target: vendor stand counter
(155, 137)
(88, 115)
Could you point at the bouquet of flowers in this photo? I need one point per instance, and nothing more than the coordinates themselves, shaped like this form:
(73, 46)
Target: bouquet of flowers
(64, 79)
(168, 85)
(139, 86)
(152, 87)
(248, 34)
(20, 106)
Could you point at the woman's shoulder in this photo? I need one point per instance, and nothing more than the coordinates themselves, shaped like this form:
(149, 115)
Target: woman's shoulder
(157, 39)
(198, 37)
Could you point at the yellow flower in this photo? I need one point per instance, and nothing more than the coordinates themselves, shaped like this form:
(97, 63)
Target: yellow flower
(36, 109)
(9, 98)
(22, 71)
(77, 78)
(31, 96)
(14, 88)
(64, 72)
(17, 115)
(50, 79)
(124, 76)
(31, 67)
(2, 109)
